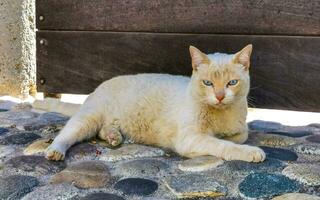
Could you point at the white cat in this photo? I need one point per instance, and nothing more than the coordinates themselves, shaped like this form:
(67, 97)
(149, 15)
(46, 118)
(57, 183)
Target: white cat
(204, 115)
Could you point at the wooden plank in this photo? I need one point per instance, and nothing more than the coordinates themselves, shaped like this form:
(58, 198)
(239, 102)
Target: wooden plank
(285, 70)
(286, 17)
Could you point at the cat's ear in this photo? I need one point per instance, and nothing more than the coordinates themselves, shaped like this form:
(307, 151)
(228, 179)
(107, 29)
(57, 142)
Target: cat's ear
(197, 57)
(243, 57)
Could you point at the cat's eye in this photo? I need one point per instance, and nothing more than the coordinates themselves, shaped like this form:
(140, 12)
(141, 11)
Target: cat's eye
(207, 83)
(233, 82)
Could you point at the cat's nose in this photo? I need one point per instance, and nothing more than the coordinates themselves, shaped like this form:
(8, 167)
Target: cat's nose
(220, 96)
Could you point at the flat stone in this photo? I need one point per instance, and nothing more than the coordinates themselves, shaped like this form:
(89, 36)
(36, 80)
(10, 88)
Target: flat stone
(3, 130)
(313, 149)
(269, 165)
(102, 196)
(37, 164)
(37, 147)
(260, 125)
(308, 174)
(84, 174)
(265, 185)
(132, 151)
(46, 119)
(200, 163)
(280, 154)
(296, 196)
(314, 138)
(293, 133)
(17, 118)
(82, 151)
(6, 150)
(20, 138)
(145, 167)
(259, 139)
(194, 185)
(47, 192)
(136, 186)
(315, 125)
(16, 186)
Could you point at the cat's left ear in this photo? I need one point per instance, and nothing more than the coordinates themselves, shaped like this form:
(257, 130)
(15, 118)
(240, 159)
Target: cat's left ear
(197, 57)
(243, 57)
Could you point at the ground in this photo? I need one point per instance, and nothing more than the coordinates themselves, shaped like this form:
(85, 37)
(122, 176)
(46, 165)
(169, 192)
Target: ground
(91, 170)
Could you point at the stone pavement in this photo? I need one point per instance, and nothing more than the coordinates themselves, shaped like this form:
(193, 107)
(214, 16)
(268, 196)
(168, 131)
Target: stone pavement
(93, 171)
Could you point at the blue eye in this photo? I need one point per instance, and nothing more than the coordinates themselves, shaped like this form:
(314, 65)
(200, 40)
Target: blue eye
(207, 83)
(233, 82)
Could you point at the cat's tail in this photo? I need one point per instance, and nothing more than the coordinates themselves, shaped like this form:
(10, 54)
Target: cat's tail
(55, 105)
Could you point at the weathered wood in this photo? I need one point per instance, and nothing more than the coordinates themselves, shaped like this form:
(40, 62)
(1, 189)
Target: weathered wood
(285, 70)
(287, 17)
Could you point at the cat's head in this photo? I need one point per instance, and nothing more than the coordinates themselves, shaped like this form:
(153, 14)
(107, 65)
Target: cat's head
(220, 79)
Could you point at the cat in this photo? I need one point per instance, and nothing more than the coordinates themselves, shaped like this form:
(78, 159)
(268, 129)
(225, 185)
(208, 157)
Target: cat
(201, 115)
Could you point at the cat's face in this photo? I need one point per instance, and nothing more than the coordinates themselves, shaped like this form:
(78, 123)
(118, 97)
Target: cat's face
(221, 80)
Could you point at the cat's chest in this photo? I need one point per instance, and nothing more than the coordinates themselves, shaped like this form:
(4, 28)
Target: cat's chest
(222, 124)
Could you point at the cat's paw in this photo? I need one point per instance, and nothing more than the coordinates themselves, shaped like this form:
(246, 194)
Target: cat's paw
(245, 153)
(111, 136)
(54, 154)
(254, 154)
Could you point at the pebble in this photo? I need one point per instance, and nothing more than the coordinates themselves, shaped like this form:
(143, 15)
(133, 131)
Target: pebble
(308, 174)
(82, 151)
(269, 165)
(84, 174)
(270, 140)
(16, 186)
(36, 164)
(313, 149)
(132, 151)
(101, 196)
(3, 130)
(296, 196)
(278, 153)
(194, 185)
(20, 138)
(265, 185)
(16, 118)
(136, 186)
(51, 191)
(314, 138)
(6, 150)
(200, 163)
(315, 125)
(293, 133)
(37, 147)
(143, 167)
(260, 125)
(46, 119)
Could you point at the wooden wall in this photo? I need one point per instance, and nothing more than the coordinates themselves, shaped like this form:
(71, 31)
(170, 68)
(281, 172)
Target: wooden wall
(82, 43)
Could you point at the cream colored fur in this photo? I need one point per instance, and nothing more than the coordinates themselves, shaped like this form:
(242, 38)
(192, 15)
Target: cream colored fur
(177, 112)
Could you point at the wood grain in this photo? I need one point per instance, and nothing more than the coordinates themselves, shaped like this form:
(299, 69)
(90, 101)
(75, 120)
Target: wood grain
(286, 17)
(285, 70)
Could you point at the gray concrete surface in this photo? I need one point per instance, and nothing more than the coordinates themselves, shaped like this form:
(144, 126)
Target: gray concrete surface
(17, 47)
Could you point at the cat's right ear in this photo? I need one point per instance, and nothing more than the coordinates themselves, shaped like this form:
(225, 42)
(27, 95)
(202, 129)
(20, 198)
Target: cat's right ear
(197, 57)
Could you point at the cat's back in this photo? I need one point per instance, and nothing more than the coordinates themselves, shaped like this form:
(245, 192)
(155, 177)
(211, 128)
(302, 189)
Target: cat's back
(142, 83)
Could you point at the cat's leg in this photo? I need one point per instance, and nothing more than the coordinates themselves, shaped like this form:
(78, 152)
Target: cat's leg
(81, 126)
(111, 134)
(239, 138)
(191, 145)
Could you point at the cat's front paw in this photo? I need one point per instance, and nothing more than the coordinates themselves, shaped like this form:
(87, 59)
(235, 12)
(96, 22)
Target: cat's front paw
(54, 154)
(254, 154)
(245, 153)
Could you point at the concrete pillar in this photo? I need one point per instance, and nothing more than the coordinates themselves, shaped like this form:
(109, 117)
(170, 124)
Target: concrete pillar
(17, 47)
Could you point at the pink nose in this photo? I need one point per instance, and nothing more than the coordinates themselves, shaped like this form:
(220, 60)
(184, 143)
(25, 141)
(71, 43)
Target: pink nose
(220, 97)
